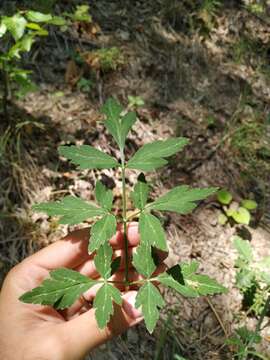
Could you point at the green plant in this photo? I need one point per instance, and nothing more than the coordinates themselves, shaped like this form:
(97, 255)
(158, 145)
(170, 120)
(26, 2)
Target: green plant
(105, 59)
(250, 145)
(208, 12)
(253, 280)
(19, 33)
(135, 101)
(256, 8)
(65, 285)
(243, 342)
(252, 276)
(85, 85)
(240, 213)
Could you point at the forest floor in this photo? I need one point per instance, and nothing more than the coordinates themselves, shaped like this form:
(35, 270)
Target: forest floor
(213, 88)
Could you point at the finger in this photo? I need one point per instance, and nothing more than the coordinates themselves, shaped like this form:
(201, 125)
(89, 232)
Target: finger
(86, 299)
(118, 242)
(69, 252)
(82, 334)
(79, 307)
(88, 268)
(73, 249)
(119, 277)
(89, 295)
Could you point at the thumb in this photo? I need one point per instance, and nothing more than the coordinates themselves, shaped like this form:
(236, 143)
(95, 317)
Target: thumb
(82, 334)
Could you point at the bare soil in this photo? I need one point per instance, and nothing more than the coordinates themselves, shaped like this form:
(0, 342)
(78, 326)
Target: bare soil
(185, 82)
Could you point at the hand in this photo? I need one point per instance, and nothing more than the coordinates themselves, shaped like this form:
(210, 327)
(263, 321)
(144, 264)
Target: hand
(33, 332)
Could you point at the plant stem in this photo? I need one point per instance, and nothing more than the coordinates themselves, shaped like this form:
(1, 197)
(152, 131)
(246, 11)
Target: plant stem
(135, 214)
(124, 214)
(259, 324)
(217, 316)
(263, 314)
(116, 282)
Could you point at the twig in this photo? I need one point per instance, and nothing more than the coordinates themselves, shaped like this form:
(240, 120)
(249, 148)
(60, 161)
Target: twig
(217, 316)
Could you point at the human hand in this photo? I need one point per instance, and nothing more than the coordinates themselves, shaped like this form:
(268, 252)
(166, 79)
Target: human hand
(33, 332)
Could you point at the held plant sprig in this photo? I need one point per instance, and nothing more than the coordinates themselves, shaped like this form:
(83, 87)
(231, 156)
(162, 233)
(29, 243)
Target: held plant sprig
(65, 286)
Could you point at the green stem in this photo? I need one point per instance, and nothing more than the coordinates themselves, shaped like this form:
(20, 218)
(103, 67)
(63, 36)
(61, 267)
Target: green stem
(130, 217)
(259, 324)
(260, 356)
(138, 282)
(124, 214)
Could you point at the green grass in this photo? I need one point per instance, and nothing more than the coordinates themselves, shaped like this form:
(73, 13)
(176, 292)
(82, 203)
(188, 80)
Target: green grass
(251, 146)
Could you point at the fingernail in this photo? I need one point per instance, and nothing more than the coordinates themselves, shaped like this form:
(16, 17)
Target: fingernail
(129, 305)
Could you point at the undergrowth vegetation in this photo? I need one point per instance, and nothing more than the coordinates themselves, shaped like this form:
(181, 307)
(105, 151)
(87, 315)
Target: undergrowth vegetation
(193, 68)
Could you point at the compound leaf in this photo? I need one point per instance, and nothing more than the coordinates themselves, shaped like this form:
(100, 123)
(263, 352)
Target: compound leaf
(143, 261)
(104, 196)
(151, 231)
(87, 157)
(103, 303)
(140, 194)
(150, 299)
(151, 156)
(181, 199)
(103, 260)
(117, 125)
(71, 209)
(61, 290)
(102, 231)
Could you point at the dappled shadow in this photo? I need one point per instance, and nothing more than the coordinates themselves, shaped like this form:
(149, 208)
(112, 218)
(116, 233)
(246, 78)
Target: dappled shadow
(183, 77)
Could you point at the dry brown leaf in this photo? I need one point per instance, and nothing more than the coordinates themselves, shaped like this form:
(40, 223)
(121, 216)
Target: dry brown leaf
(92, 60)
(73, 73)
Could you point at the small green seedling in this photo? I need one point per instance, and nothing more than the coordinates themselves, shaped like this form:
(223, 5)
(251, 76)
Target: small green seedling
(85, 85)
(243, 343)
(65, 286)
(240, 213)
(135, 101)
(252, 278)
